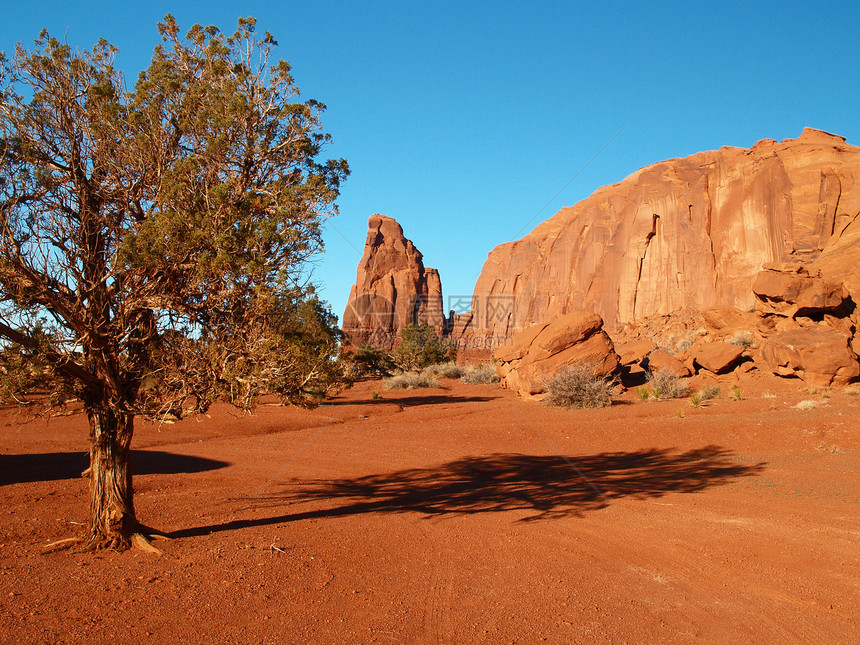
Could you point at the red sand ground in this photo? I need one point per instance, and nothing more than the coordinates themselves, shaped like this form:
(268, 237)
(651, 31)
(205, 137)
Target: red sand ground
(455, 515)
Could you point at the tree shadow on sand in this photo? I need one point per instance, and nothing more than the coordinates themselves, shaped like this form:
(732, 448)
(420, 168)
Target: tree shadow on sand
(547, 487)
(414, 400)
(53, 466)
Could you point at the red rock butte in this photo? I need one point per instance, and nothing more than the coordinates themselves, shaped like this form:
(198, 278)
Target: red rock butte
(683, 235)
(392, 288)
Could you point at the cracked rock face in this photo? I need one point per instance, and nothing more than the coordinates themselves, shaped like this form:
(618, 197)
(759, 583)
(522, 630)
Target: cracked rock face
(392, 288)
(685, 234)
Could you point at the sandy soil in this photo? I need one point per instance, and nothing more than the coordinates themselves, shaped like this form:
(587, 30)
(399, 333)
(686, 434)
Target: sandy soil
(453, 515)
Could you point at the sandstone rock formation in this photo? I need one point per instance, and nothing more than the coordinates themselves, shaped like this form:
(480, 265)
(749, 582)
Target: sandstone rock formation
(789, 290)
(684, 235)
(662, 361)
(717, 357)
(534, 355)
(819, 355)
(392, 288)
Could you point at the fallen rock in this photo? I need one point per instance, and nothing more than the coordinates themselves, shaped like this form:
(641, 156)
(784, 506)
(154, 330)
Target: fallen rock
(634, 351)
(727, 319)
(718, 357)
(392, 288)
(789, 290)
(534, 355)
(819, 355)
(662, 361)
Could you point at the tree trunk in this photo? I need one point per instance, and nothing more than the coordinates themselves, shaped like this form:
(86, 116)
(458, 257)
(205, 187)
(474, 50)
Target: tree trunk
(112, 520)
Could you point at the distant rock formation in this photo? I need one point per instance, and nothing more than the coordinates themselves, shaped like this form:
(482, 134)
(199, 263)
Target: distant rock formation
(684, 235)
(392, 288)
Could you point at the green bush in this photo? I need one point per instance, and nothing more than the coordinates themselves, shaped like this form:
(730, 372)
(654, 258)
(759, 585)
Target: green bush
(368, 361)
(579, 386)
(421, 346)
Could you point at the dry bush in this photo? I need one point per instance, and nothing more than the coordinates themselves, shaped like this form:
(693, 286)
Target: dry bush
(579, 386)
(742, 338)
(480, 374)
(444, 370)
(665, 385)
(409, 381)
(808, 404)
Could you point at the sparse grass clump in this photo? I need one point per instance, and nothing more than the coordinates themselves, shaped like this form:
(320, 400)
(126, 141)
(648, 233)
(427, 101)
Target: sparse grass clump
(703, 396)
(808, 404)
(480, 374)
(643, 392)
(735, 394)
(852, 390)
(409, 381)
(665, 385)
(711, 392)
(742, 338)
(579, 386)
(444, 370)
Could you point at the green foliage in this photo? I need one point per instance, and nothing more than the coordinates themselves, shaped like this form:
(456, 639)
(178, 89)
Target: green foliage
(735, 394)
(579, 386)
(421, 346)
(368, 361)
(410, 381)
(298, 358)
(643, 392)
(161, 227)
(696, 399)
(23, 368)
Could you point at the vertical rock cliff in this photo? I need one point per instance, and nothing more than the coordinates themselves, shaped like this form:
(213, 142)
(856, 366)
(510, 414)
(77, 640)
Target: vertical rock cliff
(392, 288)
(683, 235)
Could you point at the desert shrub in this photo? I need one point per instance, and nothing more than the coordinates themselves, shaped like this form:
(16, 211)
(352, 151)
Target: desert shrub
(409, 381)
(579, 386)
(444, 370)
(643, 392)
(480, 374)
(852, 390)
(665, 385)
(368, 361)
(808, 404)
(421, 346)
(736, 394)
(684, 343)
(741, 338)
(696, 399)
(710, 392)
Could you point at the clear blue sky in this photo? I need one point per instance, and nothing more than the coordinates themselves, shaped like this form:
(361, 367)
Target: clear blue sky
(464, 120)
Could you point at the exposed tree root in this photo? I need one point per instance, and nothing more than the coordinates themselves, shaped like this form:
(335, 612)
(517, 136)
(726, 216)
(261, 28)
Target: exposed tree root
(61, 545)
(141, 540)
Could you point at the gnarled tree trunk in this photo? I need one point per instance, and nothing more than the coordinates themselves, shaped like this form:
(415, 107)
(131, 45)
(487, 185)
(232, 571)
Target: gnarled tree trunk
(112, 521)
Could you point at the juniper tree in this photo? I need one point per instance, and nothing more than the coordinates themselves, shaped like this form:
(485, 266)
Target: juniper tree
(155, 233)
